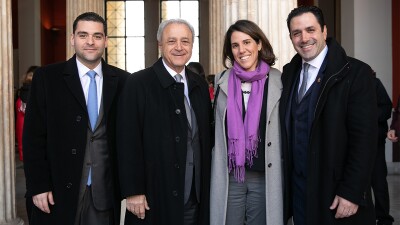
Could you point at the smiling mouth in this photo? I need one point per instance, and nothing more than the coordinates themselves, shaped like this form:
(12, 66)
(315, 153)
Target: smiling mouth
(244, 58)
(307, 45)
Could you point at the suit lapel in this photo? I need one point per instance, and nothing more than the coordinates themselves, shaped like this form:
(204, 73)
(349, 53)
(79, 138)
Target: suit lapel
(223, 82)
(274, 92)
(110, 83)
(71, 77)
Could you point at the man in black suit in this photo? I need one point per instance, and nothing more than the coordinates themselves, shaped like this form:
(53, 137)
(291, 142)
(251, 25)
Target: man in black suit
(163, 136)
(69, 134)
(329, 127)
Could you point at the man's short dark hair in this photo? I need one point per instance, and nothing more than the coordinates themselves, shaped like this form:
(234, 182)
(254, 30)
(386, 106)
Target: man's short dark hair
(317, 12)
(90, 16)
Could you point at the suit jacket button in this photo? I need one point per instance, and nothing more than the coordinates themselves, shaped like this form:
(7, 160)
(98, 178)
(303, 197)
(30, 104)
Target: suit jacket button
(73, 151)
(78, 118)
(174, 193)
(269, 144)
(177, 111)
(69, 185)
(91, 139)
(269, 164)
(177, 138)
(176, 165)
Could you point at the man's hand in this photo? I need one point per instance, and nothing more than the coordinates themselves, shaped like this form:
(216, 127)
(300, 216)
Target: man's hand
(137, 204)
(391, 135)
(344, 208)
(42, 201)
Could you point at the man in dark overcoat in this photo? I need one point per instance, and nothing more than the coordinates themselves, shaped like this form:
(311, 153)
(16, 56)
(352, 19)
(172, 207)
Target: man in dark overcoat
(69, 155)
(329, 127)
(379, 183)
(163, 136)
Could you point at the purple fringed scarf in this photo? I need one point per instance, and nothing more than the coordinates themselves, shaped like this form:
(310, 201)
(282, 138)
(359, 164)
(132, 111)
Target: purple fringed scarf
(243, 137)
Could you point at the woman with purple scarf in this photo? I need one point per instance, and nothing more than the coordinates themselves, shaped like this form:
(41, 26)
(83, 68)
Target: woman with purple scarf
(246, 176)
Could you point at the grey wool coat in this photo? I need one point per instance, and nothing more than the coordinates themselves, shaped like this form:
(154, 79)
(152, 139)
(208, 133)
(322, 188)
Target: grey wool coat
(273, 174)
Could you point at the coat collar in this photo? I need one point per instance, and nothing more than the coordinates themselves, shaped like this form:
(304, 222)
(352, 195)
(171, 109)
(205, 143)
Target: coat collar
(166, 79)
(274, 90)
(110, 82)
(223, 81)
(336, 57)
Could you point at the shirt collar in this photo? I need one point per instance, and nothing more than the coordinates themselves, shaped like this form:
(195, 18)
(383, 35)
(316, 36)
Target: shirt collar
(82, 69)
(173, 73)
(317, 62)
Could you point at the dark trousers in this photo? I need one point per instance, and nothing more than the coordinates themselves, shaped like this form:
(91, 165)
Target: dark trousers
(88, 215)
(380, 188)
(191, 210)
(299, 199)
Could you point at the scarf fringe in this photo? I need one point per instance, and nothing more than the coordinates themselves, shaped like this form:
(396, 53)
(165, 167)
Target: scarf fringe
(251, 150)
(232, 154)
(239, 173)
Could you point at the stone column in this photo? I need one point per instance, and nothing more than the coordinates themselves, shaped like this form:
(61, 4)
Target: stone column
(270, 15)
(7, 142)
(273, 22)
(74, 9)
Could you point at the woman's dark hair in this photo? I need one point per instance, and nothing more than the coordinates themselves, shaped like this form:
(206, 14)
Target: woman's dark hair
(250, 28)
(197, 68)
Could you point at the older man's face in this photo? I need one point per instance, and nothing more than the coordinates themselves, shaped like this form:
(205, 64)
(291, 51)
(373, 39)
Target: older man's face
(176, 46)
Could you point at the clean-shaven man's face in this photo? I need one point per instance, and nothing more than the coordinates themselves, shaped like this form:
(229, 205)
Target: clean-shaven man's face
(307, 37)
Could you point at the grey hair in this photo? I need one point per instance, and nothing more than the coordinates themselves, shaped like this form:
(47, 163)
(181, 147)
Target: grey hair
(165, 23)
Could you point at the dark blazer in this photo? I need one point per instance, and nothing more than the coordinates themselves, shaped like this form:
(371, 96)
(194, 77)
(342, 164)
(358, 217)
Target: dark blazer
(151, 143)
(343, 141)
(55, 132)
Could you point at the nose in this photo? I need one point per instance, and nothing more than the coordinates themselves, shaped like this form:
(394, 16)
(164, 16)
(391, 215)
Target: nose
(305, 36)
(89, 39)
(178, 46)
(241, 48)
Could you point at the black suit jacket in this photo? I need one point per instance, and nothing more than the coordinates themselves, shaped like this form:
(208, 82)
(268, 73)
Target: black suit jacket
(55, 132)
(152, 134)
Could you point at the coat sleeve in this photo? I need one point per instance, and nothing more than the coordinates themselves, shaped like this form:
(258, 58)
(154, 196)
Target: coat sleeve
(384, 102)
(129, 133)
(362, 133)
(36, 164)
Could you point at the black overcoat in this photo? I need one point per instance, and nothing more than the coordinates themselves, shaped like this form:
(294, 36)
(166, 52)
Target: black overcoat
(343, 142)
(151, 143)
(56, 125)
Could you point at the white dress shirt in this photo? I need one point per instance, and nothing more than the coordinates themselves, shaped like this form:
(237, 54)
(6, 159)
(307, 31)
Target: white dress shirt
(313, 70)
(85, 81)
(184, 80)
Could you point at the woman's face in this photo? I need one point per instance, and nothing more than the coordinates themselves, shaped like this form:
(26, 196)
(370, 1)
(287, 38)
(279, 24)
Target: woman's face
(245, 50)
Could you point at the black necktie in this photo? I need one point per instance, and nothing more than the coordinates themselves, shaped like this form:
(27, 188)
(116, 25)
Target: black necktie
(178, 79)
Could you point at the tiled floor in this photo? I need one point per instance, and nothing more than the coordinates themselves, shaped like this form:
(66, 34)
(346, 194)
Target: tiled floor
(393, 180)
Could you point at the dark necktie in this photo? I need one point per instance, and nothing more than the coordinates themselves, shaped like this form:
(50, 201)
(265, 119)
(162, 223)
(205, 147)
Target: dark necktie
(303, 87)
(178, 79)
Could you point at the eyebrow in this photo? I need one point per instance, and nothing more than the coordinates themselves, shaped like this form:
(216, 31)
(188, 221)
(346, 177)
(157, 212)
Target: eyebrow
(84, 32)
(248, 39)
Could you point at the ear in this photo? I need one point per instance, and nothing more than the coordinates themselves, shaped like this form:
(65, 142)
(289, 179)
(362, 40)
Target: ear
(71, 40)
(259, 46)
(325, 33)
